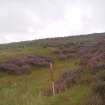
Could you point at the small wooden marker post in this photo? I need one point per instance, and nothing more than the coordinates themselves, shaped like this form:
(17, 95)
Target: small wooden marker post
(52, 78)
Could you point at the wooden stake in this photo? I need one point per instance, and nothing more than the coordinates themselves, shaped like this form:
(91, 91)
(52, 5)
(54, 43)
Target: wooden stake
(52, 78)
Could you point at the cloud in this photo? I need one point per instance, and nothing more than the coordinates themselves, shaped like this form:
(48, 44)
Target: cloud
(33, 19)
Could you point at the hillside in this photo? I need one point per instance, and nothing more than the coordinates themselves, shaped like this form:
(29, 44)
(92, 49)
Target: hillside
(79, 71)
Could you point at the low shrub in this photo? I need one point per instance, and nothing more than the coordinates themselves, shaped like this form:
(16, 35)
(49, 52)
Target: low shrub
(99, 88)
(24, 64)
(94, 100)
(67, 80)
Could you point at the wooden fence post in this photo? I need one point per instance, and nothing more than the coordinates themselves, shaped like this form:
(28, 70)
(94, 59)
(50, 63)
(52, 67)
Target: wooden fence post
(52, 78)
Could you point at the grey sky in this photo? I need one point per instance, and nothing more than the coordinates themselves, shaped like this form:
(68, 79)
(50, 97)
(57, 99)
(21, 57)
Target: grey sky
(34, 19)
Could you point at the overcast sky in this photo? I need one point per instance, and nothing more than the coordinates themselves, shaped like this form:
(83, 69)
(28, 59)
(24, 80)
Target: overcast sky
(33, 19)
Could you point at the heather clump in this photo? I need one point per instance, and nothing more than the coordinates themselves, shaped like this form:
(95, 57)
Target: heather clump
(66, 80)
(24, 64)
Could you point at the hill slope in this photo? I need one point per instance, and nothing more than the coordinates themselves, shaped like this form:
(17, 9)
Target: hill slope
(85, 54)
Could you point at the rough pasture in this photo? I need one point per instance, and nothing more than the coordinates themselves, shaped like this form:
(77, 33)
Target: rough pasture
(72, 88)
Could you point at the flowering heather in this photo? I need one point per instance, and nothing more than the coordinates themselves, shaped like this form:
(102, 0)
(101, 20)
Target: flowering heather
(24, 64)
(91, 55)
(67, 80)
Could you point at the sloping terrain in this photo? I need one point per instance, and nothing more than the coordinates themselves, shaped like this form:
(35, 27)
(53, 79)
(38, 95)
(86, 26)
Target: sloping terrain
(79, 71)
